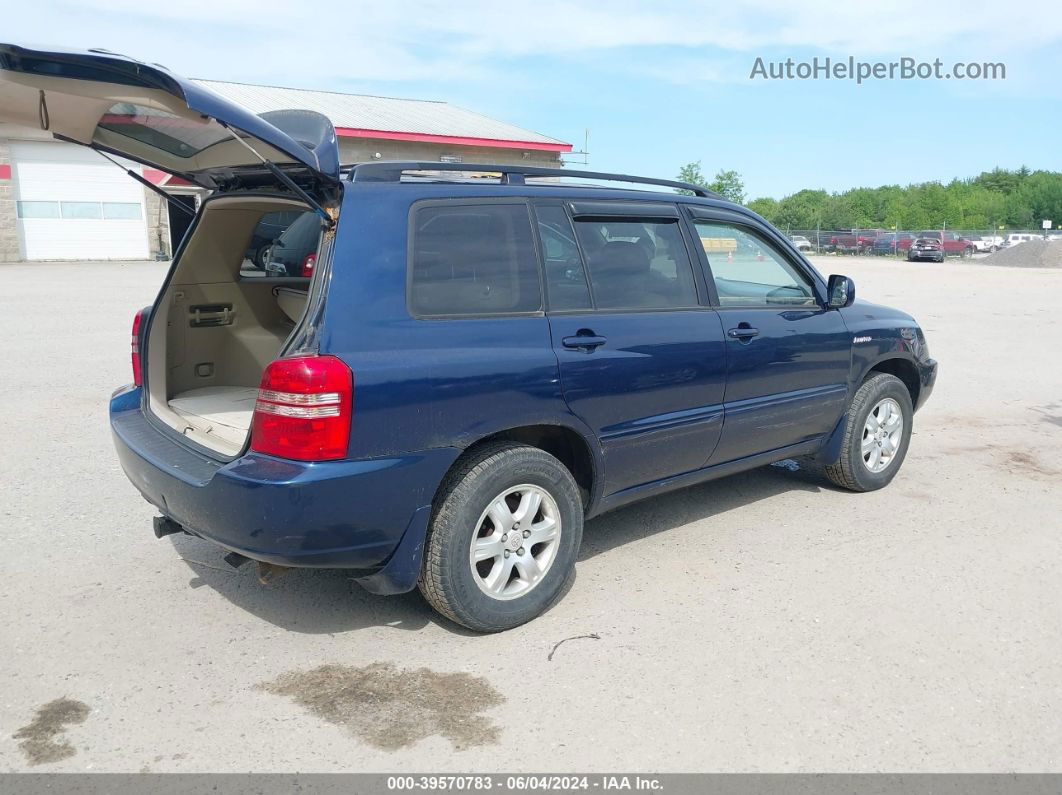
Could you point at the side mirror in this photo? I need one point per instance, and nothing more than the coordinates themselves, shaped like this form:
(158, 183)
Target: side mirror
(840, 292)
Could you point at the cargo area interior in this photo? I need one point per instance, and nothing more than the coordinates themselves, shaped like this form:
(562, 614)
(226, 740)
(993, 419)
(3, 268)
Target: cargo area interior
(218, 325)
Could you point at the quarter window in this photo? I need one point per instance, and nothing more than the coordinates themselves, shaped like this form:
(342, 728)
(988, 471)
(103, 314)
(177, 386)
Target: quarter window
(474, 260)
(637, 264)
(565, 276)
(749, 271)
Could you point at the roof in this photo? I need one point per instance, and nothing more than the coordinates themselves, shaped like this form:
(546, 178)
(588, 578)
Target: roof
(366, 116)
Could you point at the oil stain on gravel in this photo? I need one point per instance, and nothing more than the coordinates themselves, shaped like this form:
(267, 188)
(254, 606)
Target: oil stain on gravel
(41, 741)
(391, 708)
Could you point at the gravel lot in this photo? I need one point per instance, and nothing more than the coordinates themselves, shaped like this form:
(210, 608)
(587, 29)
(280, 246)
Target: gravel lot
(765, 622)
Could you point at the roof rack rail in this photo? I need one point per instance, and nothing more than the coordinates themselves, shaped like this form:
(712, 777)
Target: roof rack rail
(392, 170)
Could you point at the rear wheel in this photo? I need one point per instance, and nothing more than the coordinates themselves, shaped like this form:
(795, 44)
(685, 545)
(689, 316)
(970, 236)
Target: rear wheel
(876, 435)
(503, 538)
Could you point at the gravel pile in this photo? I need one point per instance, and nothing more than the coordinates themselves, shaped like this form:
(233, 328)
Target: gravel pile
(1030, 254)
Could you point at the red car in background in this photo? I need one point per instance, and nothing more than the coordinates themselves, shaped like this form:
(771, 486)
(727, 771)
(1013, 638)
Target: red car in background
(859, 242)
(953, 246)
(892, 243)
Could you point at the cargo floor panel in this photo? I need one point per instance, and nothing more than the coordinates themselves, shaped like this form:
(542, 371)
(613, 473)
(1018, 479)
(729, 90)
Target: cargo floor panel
(221, 414)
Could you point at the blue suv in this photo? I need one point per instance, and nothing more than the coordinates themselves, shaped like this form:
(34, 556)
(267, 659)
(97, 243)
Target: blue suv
(476, 364)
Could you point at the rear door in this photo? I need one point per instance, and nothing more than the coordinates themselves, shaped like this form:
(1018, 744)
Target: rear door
(147, 114)
(788, 358)
(641, 354)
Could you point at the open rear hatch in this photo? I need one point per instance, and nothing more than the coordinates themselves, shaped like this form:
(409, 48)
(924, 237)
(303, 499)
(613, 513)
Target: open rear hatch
(145, 113)
(212, 330)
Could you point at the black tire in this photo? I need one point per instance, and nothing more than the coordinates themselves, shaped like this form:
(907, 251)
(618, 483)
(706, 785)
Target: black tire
(259, 257)
(447, 580)
(850, 471)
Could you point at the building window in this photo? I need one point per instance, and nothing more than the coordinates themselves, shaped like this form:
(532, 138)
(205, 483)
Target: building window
(90, 210)
(124, 211)
(37, 209)
(121, 211)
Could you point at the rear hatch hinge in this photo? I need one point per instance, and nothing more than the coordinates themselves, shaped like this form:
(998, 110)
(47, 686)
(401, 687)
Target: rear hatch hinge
(287, 181)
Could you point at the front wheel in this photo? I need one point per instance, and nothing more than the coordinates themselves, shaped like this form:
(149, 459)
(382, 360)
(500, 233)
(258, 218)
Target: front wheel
(876, 435)
(504, 534)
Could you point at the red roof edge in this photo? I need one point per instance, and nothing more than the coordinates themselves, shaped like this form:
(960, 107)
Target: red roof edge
(456, 140)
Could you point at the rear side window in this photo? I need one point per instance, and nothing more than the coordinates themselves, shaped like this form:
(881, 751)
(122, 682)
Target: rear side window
(473, 260)
(637, 264)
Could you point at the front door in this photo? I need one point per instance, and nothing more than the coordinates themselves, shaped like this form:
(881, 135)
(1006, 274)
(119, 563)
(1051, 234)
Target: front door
(788, 358)
(641, 358)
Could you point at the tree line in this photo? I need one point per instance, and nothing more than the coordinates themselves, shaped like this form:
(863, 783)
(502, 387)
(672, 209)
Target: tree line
(1018, 199)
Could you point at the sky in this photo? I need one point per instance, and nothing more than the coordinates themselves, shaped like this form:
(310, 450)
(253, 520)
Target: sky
(656, 84)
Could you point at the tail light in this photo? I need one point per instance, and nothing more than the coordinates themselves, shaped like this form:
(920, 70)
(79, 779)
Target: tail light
(307, 265)
(303, 409)
(138, 321)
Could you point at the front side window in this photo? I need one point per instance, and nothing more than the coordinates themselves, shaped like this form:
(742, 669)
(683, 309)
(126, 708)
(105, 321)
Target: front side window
(637, 264)
(473, 260)
(749, 271)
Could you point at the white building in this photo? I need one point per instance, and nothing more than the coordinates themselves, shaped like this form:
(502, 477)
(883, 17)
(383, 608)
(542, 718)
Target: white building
(61, 201)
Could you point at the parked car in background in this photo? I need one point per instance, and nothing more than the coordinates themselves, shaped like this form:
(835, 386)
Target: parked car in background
(926, 248)
(801, 243)
(1019, 237)
(985, 243)
(269, 229)
(891, 243)
(858, 242)
(294, 253)
(952, 245)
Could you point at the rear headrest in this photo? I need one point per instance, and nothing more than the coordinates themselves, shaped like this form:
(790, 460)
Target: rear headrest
(620, 257)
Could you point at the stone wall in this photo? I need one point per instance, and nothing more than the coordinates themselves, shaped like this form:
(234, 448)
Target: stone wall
(157, 220)
(9, 247)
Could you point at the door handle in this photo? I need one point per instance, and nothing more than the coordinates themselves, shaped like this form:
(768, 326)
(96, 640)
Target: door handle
(584, 340)
(743, 332)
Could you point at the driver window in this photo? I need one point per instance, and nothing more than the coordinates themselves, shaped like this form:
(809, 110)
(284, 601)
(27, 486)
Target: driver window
(748, 271)
(565, 277)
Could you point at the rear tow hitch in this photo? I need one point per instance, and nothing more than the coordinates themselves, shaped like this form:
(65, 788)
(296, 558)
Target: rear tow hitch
(165, 526)
(235, 559)
(267, 572)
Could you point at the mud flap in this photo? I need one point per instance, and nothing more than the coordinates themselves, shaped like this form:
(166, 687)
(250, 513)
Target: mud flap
(830, 452)
(402, 570)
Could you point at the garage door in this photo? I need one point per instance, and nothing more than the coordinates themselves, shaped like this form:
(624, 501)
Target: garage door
(72, 204)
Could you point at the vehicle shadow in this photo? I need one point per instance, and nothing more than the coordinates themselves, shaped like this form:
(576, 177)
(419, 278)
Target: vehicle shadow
(328, 601)
(310, 601)
(704, 501)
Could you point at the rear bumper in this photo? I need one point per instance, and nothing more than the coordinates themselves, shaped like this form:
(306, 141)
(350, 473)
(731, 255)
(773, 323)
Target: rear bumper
(336, 514)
